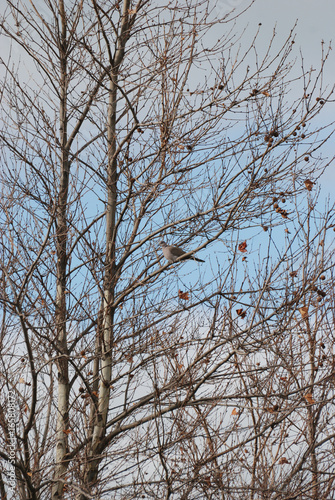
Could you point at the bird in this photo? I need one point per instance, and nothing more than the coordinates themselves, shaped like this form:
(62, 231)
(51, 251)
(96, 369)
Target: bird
(172, 253)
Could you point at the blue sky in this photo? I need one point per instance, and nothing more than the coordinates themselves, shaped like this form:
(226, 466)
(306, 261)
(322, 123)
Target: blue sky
(315, 23)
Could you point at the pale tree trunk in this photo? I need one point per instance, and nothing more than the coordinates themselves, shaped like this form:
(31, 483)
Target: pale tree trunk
(99, 427)
(311, 414)
(62, 230)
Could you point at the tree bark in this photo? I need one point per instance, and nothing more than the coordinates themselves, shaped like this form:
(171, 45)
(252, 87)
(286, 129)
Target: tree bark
(62, 235)
(99, 428)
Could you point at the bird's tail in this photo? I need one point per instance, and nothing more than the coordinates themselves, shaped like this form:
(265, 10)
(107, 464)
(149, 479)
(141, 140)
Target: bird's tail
(198, 260)
(191, 257)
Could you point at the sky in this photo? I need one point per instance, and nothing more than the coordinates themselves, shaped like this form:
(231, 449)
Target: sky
(315, 23)
(315, 20)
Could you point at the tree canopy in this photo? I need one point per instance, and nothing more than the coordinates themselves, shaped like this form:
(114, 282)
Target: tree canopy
(125, 123)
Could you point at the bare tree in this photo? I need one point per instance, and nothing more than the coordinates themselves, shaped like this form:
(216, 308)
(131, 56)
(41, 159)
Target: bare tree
(124, 124)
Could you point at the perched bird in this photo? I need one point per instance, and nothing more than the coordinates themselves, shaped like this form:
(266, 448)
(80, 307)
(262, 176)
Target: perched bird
(171, 253)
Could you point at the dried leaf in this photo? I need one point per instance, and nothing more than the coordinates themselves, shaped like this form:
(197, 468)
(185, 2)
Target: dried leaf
(293, 274)
(309, 185)
(183, 295)
(234, 412)
(266, 93)
(304, 312)
(309, 398)
(207, 480)
(21, 380)
(241, 313)
(283, 460)
(274, 409)
(243, 247)
(67, 431)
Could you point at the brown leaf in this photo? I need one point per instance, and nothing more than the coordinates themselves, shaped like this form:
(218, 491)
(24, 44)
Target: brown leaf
(293, 274)
(241, 313)
(183, 295)
(283, 460)
(266, 93)
(282, 212)
(309, 185)
(234, 412)
(309, 398)
(304, 312)
(243, 247)
(207, 480)
(67, 431)
(274, 409)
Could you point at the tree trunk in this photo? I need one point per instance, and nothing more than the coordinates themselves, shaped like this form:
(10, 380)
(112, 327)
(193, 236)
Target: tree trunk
(61, 232)
(99, 428)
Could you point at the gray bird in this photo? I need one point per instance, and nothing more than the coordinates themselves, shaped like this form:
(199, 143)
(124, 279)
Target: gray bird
(171, 253)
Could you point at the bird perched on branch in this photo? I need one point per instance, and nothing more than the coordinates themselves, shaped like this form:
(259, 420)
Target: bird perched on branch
(172, 253)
